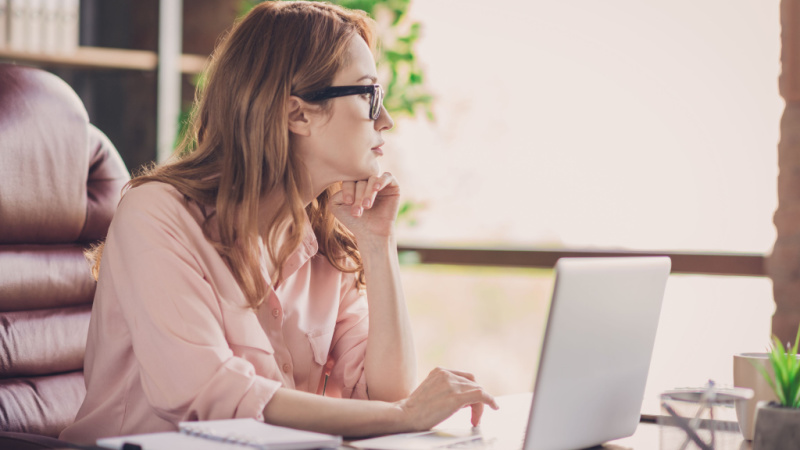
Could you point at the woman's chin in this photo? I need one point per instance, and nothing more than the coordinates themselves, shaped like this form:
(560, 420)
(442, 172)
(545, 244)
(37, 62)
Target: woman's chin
(362, 173)
(373, 170)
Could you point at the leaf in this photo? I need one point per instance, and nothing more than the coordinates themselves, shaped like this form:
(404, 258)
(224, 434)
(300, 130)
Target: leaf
(778, 368)
(786, 368)
(763, 371)
(414, 31)
(795, 396)
(795, 371)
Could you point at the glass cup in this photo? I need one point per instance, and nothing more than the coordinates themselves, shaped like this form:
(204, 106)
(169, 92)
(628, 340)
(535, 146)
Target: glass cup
(702, 418)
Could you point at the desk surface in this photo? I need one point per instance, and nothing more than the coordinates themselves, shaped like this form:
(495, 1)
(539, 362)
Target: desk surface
(507, 430)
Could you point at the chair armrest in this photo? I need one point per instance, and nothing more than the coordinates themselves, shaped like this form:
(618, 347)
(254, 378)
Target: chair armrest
(28, 441)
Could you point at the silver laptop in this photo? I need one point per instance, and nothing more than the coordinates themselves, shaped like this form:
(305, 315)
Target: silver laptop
(596, 351)
(593, 364)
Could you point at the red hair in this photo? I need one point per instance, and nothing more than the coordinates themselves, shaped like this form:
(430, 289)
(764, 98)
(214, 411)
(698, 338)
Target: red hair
(237, 148)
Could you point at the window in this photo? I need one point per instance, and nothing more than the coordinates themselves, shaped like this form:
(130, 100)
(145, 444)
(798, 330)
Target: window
(609, 125)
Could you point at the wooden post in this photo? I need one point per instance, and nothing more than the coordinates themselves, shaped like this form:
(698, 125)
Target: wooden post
(783, 266)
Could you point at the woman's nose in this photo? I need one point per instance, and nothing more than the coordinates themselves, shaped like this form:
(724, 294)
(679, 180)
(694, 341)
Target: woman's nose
(384, 121)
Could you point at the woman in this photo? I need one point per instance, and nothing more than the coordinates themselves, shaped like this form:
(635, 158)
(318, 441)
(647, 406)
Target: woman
(232, 279)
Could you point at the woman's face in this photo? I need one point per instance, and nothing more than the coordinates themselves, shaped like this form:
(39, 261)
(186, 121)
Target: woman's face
(344, 144)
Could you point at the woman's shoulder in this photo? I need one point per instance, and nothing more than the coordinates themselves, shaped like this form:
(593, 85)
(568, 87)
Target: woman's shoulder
(153, 199)
(151, 191)
(156, 213)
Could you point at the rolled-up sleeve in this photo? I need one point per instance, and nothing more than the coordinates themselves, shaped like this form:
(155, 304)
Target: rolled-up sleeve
(349, 344)
(186, 367)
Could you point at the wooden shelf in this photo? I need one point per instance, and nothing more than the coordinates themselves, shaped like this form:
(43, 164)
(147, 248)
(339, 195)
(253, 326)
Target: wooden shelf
(105, 58)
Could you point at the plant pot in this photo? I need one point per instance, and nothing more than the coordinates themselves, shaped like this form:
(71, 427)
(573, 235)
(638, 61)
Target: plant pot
(777, 427)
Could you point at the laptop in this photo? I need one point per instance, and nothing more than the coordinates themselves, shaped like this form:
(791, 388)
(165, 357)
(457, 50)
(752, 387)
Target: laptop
(593, 363)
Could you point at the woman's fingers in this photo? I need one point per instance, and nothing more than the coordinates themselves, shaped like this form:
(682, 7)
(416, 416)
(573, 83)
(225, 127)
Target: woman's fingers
(484, 396)
(361, 195)
(477, 412)
(466, 375)
(473, 396)
(365, 191)
(348, 192)
(372, 187)
(476, 398)
(357, 209)
(446, 391)
(386, 179)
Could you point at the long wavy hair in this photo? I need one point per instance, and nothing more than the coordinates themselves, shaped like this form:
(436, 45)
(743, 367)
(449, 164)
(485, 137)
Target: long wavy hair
(237, 149)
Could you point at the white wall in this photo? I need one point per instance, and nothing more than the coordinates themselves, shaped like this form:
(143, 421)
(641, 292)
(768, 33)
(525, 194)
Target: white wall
(611, 124)
(622, 123)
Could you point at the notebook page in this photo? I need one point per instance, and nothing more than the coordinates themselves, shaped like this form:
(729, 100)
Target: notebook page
(166, 441)
(259, 434)
(231, 434)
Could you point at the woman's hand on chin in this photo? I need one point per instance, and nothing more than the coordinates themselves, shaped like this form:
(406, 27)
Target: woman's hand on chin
(368, 208)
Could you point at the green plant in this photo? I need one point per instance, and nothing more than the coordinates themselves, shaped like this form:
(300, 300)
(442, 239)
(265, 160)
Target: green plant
(786, 369)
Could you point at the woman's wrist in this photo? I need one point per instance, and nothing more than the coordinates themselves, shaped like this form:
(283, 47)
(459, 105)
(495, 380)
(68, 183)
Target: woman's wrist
(377, 244)
(401, 421)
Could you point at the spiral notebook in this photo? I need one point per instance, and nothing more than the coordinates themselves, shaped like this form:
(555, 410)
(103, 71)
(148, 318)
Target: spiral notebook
(231, 434)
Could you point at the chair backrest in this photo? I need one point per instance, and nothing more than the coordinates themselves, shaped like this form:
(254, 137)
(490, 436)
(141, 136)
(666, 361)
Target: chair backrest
(60, 182)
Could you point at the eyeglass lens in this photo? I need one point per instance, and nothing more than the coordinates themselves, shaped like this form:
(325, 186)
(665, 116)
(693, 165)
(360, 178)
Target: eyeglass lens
(377, 102)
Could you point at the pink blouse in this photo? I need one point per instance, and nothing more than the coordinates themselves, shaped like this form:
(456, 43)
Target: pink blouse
(172, 337)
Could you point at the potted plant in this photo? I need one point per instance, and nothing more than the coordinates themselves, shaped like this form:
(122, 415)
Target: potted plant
(778, 423)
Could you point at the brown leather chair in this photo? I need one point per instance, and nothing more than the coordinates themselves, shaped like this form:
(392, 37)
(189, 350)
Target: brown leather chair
(60, 182)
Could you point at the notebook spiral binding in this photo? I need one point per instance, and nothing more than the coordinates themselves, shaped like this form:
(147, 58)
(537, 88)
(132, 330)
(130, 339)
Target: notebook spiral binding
(231, 438)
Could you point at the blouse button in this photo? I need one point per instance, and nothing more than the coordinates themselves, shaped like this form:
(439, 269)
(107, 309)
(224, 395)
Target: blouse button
(276, 313)
(286, 368)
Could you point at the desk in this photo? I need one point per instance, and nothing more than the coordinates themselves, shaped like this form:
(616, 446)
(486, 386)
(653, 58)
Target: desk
(506, 430)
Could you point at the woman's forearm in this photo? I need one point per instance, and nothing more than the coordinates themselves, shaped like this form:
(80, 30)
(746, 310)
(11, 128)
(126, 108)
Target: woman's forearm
(305, 411)
(441, 394)
(390, 363)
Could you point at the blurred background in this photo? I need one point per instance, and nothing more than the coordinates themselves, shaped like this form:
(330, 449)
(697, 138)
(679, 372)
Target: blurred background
(592, 125)
(618, 126)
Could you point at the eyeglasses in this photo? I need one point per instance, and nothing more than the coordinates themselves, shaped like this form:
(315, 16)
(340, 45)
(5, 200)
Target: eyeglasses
(374, 90)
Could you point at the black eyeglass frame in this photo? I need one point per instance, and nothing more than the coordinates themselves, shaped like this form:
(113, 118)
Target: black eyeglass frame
(374, 90)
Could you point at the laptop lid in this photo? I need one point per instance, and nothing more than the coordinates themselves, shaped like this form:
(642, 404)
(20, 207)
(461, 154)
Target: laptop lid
(596, 351)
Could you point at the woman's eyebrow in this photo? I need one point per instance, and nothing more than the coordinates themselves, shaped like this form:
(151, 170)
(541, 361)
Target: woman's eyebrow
(369, 77)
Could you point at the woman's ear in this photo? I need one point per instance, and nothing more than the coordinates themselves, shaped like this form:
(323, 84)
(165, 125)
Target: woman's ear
(299, 122)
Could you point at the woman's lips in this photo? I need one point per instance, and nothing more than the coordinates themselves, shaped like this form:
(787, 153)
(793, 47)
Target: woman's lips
(378, 151)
